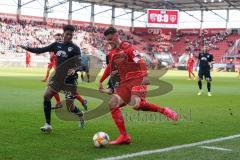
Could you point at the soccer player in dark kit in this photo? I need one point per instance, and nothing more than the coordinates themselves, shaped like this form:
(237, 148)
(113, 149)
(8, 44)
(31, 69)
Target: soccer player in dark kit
(205, 60)
(65, 77)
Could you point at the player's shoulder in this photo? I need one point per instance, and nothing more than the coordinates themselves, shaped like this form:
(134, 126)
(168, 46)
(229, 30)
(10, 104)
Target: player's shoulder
(125, 45)
(75, 46)
(54, 44)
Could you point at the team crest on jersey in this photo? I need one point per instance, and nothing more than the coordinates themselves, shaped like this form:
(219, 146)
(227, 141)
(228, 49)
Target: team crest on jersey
(70, 49)
(61, 54)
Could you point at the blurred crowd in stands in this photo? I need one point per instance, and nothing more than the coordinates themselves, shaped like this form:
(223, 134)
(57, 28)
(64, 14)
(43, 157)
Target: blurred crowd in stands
(34, 34)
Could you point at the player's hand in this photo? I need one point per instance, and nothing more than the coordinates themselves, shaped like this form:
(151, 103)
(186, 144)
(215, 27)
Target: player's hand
(100, 87)
(145, 81)
(71, 72)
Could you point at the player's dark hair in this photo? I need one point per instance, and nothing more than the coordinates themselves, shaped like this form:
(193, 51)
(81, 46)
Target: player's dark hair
(58, 34)
(110, 30)
(69, 28)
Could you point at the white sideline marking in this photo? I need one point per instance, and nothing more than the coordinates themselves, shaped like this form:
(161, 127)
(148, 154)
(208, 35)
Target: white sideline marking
(147, 152)
(216, 148)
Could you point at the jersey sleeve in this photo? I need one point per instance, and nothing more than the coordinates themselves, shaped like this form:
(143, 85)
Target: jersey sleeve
(49, 48)
(136, 57)
(211, 58)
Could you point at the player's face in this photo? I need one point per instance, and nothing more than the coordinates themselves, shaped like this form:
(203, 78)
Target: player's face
(113, 40)
(58, 38)
(67, 36)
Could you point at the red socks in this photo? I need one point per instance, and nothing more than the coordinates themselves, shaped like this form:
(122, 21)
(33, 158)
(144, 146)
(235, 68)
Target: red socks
(78, 97)
(57, 97)
(119, 120)
(145, 106)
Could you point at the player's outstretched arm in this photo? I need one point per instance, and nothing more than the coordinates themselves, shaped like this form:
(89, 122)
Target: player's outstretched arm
(106, 73)
(49, 48)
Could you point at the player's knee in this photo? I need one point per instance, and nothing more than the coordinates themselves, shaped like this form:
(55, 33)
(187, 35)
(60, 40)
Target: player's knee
(208, 80)
(112, 104)
(134, 104)
(46, 97)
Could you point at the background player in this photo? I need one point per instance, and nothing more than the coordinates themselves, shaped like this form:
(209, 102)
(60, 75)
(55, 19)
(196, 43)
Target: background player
(133, 80)
(64, 51)
(190, 64)
(85, 62)
(52, 63)
(205, 61)
(239, 70)
(28, 59)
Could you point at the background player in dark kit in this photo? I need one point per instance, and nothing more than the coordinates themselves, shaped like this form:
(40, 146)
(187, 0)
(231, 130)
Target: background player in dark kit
(205, 61)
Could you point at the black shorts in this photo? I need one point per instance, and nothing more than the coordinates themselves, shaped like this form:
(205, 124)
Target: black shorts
(85, 69)
(205, 73)
(113, 82)
(68, 87)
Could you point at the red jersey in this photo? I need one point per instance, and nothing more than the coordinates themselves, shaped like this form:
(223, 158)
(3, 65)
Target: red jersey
(190, 62)
(28, 57)
(128, 62)
(52, 58)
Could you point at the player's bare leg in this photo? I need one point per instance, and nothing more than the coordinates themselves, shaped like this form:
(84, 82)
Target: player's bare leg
(189, 75)
(88, 77)
(114, 105)
(49, 93)
(194, 77)
(209, 86)
(141, 104)
(58, 102)
(82, 78)
(199, 86)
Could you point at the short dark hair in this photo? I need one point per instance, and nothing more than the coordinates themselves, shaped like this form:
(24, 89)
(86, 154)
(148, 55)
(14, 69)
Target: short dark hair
(69, 28)
(58, 34)
(110, 30)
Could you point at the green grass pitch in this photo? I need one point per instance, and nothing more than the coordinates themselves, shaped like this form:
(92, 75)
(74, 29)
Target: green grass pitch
(21, 116)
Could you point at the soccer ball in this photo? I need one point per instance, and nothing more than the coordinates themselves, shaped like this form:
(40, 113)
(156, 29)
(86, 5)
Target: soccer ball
(100, 139)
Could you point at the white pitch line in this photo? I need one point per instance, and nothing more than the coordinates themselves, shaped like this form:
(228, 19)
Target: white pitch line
(147, 152)
(216, 148)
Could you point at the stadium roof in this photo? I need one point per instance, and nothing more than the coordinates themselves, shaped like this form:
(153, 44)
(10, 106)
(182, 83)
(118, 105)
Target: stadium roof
(182, 5)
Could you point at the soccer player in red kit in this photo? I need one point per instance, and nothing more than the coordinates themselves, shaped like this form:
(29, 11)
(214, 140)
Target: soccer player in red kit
(52, 63)
(28, 59)
(132, 72)
(190, 64)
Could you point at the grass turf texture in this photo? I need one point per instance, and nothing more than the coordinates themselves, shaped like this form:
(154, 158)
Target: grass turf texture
(21, 115)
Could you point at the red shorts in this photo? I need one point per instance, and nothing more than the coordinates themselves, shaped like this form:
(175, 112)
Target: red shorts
(51, 65)
(131, 87)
